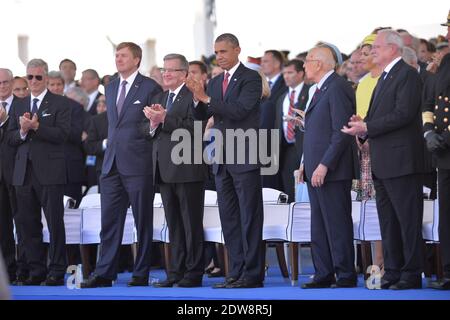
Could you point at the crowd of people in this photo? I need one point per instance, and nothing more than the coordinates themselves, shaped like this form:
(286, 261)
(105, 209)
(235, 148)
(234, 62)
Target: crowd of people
(374, 121)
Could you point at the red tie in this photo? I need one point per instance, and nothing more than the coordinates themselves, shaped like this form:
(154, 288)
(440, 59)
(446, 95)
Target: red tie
(225, 83)
(290, 137)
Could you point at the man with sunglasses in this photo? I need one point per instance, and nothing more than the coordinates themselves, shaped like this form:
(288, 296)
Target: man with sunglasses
(38, 128)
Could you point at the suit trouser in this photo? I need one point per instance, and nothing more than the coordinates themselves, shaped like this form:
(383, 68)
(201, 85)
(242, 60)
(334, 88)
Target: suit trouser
(183, 207)
(7, 212)
(289, 162)
(444, 218)
(118, 191)
(31, 196)
(332, 231)
(241, 215)
(400, 211)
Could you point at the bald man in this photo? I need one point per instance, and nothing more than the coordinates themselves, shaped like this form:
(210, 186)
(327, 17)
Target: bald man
(328, 168)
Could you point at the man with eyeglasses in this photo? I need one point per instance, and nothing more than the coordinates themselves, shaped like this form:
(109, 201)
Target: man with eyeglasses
(393, 126)
(8, 208)
(127, 169)
(181, 185)
(39, 127)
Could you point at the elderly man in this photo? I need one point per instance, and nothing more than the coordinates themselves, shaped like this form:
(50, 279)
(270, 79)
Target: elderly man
(393, 127)
(329, 170)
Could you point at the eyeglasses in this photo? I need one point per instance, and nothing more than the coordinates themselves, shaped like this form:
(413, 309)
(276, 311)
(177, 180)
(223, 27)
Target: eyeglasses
(163, 70)
(31, 76)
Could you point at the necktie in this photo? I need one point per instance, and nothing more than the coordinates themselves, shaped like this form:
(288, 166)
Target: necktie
(34, 109)
(122, 97)
(170, 101)
(316, 93)
(4, 104)
(225, 83)
(270, 84)
(290, 135)
(380, 81)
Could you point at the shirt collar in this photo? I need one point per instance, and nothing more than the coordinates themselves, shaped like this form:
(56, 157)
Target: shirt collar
(40, 97)
(8, 101)
(130, 79)
(391, 65)
(177, 90)
(233, 70)
(274, 78)
(324, 78)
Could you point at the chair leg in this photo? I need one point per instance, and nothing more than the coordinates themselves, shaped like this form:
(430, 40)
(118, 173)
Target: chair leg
(225, 260)
(366, 257)
(293, 246)
(282, 259)
(134, 249)
(85, 260)
(167, 257)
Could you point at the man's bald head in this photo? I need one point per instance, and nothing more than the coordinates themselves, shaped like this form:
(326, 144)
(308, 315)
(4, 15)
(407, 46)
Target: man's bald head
(319, 61)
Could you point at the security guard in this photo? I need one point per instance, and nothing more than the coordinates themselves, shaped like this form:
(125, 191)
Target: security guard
(436, 118)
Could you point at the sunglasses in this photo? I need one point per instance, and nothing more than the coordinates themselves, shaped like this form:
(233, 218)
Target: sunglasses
(38, 77)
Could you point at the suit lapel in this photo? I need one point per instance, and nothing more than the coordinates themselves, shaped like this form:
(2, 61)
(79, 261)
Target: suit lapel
(114, 89)
(233, 80)
(317, 96)
(45, 104)
(130, 96)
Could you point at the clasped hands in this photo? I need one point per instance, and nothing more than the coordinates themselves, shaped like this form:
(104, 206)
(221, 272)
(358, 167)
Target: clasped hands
(28, 123)
(197, 89)
(156, 114)
(356, 127)
(298, 120)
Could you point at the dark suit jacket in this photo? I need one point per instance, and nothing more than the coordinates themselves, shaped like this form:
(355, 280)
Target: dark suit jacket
(127, 145)
(98, 131)
(394, 124)
(268, 110)
(178, 117)
(7, 152)
(323, 140)
(93, 110)
(239, 109)
(73, 148)
(45, 147)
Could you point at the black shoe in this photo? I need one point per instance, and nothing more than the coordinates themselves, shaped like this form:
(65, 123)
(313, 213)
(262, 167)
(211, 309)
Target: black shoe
(138, 282)
(96, 281)
(443, 284)
(405, 285)
(386, 284)
(168, 283)
(189, 283)
(242, 283)
(33, 281)
(222, 285)
(345, 283)
(53, 281)
(317, 284)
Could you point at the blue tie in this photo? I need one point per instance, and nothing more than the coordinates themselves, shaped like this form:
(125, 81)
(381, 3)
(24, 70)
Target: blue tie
(170, 101)
(34, 109)
(380, 81)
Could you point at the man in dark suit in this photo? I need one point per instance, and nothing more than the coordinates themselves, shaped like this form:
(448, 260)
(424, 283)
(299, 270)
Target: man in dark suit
(394, 128)
(295, 97)
(7, 193)
(39, 128)
(271, 66)
(181, 184)
(329, 170)
(90, 82)
(127, 170)
(95, 144)
(233, 98)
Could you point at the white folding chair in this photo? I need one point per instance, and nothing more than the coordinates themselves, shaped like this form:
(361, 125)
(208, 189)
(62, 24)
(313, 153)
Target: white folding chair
(274, 196)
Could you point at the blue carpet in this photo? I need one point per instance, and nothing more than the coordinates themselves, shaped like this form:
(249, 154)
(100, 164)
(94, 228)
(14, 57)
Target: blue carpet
(275, 288)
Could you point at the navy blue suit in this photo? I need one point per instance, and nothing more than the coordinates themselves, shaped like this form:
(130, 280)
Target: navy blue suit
(324, 143)
(127, 177)
(238, 185)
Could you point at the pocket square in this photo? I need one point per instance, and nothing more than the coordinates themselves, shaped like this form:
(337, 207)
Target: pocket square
(46, 114)
(136, 102)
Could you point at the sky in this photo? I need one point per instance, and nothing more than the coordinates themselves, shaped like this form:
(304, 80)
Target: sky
(80, 29)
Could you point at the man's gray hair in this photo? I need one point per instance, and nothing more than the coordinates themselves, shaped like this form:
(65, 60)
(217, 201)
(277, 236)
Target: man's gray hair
(393, 37)
(78, 94)
(327, 60)
(8, 72)
(38, 63)
(55, 75)
(410, 56)
(184, 64)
